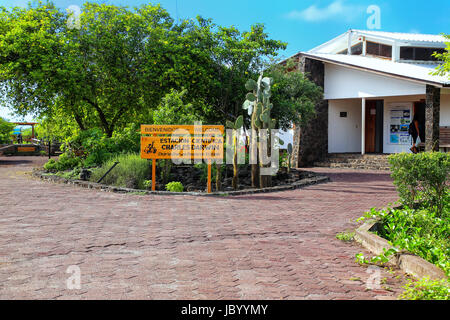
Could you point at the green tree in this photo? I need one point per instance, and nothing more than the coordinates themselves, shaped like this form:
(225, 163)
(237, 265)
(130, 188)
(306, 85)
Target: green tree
(444, 68)
(118, 65)
(172, 110)
(294, 96)
(5, 130)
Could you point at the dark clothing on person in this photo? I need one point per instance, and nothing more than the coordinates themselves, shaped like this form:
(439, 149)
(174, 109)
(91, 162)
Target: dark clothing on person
(419, 116)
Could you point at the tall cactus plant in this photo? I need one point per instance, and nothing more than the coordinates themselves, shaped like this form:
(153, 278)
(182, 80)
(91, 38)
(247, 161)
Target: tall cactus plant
(258, 105)
(235, 126)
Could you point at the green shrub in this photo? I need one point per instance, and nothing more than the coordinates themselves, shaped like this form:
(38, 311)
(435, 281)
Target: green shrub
(131, 172)
(174, 187)
(64, 162)
(419, 231)
(6, 129)
(421, 177)
(147, 184)
(346, 236)
(94, 147)
(426, 289)
(72, 174)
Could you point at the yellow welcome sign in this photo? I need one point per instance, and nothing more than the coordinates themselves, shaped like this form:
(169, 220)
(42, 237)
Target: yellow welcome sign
(182, 142)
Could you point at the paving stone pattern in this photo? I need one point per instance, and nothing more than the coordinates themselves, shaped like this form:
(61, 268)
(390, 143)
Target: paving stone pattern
(264, 246)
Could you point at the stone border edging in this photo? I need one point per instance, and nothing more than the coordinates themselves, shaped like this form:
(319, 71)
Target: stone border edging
(407, 262)
(93, 185)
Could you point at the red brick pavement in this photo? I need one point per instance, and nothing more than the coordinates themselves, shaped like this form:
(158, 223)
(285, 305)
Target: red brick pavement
(266, 246)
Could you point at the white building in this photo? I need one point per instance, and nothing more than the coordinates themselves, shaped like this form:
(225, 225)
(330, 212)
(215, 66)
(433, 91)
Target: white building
(373, 82)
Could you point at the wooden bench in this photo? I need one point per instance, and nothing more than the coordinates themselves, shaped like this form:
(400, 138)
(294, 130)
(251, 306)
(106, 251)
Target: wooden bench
(444, 140)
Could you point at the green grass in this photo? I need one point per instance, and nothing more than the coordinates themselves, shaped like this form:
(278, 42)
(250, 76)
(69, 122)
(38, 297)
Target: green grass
(131, 172)
(346, 236)
(426, 289)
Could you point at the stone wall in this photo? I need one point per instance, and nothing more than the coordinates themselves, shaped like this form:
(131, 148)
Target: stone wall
(432, 109)
(311, 141)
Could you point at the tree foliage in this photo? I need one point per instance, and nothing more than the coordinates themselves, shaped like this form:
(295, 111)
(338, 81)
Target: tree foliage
(444, 68)
(121, 62)
(172, 110)
(5, 130)
(294, 96)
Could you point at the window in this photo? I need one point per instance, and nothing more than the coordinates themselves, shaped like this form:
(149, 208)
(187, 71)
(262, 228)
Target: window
(416, 53)
(357, 49)
(378, 49)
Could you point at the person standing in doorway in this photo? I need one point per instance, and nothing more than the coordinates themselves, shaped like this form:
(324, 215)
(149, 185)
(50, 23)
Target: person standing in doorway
(417, 126)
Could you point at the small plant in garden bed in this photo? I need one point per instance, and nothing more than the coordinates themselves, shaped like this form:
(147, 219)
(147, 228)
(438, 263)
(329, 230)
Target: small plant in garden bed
(419, 231)
(174, 187)
(72, 174)
(147, 184)
(131, 172)
(422, 224)
(64, 162)
(426, 289)
(346, 236)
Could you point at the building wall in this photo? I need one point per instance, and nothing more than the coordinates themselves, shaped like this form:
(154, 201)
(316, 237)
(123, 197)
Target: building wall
(445, 110)
(344, 134)
(343, 83)
(311, 141)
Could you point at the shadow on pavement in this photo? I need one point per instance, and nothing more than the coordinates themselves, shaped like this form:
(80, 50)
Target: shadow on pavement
(13, 162)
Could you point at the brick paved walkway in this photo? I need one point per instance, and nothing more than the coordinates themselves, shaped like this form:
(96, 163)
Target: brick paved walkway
(267, 246)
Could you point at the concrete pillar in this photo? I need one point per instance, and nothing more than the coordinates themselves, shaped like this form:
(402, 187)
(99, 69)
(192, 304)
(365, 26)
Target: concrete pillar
(363, 126)
(432, 109)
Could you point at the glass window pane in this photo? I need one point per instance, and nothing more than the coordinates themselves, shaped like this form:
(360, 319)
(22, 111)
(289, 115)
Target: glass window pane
(407, 53)
(385, 51)
(373, 48)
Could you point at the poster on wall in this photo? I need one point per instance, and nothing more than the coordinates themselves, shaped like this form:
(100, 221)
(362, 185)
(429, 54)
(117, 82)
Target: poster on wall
(399, 121)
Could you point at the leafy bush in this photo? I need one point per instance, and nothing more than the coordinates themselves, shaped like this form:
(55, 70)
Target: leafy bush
(92, 148)
(64, 162)
(419, 231)
(5, 130)
(172, 109)
(131, 172)
(426, 289)
(345, 236)
(147, 184)
(72, 174)
(174, 187)
(421, 177)
(95, 147)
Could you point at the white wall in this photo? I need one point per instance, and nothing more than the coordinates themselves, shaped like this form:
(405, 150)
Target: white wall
(344, 134)
(342, 83)
(445, 110)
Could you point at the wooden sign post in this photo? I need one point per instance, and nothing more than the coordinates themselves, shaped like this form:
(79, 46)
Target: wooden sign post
(209, 176)
(177, 142)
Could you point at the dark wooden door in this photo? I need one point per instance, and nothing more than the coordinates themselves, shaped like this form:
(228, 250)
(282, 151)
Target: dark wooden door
(371, 117)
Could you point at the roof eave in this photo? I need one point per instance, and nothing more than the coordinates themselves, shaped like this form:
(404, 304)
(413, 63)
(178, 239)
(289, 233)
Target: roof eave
(393, 75)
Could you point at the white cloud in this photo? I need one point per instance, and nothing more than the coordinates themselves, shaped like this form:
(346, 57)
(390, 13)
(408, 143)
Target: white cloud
(336, 9)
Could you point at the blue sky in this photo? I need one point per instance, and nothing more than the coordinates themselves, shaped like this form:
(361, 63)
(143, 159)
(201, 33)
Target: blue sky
(303, 24)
